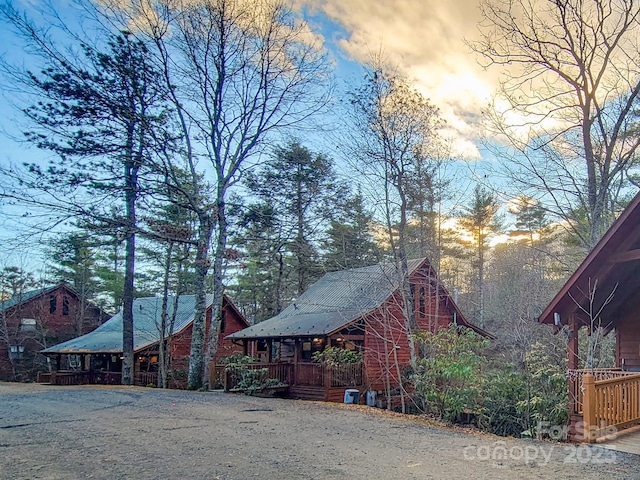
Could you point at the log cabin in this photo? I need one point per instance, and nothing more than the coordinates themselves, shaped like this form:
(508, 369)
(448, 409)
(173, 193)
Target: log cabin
(359, 310)
(36, 319)
(96, 358)
(603, 297)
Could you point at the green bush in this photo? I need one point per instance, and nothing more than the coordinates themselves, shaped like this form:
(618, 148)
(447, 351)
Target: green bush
(335, 356)
(547, 385)
(447, 377)
(503, 389)
(236, 359)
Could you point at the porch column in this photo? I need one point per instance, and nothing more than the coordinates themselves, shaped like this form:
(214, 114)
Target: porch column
(573, 343)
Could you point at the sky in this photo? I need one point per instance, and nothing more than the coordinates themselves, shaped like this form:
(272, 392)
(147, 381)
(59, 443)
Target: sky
(425, 39)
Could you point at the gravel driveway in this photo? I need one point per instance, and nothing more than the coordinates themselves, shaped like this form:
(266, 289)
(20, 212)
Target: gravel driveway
(112, 433)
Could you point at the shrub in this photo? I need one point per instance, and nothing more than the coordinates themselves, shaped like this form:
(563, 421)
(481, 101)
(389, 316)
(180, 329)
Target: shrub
(335, 356)
(447, 376)
(503, 389)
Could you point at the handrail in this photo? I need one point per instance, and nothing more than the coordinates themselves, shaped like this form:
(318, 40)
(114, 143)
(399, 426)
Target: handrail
(610, 404)
(576, 387)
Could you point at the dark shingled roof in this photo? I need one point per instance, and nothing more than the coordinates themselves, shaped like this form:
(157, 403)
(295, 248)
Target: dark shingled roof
(107, 338)
(334, 301)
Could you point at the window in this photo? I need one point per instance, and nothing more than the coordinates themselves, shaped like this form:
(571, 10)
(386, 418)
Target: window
(28, 325)
(53, 304)
(65, 305)
(74, 361)
(223, 321)
(16, 352)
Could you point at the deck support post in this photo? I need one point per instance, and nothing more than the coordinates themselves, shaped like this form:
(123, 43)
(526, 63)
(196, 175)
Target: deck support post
(589, 408)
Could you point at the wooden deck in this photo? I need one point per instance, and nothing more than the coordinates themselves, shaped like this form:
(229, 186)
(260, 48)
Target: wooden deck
(627, 441)
(306, 381)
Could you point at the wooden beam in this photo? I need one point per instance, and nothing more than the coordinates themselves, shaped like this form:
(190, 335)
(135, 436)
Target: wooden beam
(627, 256)
(573, 344)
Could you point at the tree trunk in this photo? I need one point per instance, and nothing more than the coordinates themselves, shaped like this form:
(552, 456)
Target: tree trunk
(196, 362)
(164, 315)
(218, 288)
(131, 176)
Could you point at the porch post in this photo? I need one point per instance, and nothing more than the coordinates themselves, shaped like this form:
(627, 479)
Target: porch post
(589, 408)
(573, 343)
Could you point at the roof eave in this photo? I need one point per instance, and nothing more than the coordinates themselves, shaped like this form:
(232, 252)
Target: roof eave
(547, 317)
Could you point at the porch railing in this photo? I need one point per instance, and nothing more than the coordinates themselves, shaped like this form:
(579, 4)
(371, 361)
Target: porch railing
(145, 379)
(349, 375)
(576, 384)
(73, 377)
(610, 405)
(309, 374)
(230, 375)
(304, 374)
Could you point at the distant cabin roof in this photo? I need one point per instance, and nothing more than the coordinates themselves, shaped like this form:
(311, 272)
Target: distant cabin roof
(23, 297)
(333, 302)
(107, 338)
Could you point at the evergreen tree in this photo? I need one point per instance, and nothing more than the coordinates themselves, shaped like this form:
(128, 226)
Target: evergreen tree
(99, 114)
(349, 241)
(301, 191)
(480, 219)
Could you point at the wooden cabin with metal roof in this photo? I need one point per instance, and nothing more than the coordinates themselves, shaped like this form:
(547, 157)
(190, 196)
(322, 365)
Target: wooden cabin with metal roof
(96, 358)
(603, 295)
(359, 310)
(34, 319)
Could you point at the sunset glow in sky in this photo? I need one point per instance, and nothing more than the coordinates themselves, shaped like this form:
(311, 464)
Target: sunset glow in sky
(426, 40)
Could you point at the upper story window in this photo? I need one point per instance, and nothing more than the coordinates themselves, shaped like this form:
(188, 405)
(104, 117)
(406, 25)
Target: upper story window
(223, 321)
(28, 324)
(16, 351)
(65, 305)
(53, 304)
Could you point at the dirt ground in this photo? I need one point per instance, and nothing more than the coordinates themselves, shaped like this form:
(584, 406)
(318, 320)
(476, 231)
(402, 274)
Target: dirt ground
(112, 433)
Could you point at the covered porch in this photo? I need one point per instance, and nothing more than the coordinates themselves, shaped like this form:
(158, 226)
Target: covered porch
(290, 359)
(602, 298)
(100, 368)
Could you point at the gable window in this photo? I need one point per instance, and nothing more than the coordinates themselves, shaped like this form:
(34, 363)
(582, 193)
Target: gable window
(28, 325)
(53, 304)
(16, 352)
(422, 301)
(65, 305)
(223, 321)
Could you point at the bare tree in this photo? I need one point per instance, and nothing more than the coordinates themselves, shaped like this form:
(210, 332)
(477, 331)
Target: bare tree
(239, 73)
(567, 107)
(395, 131)
(592, 311)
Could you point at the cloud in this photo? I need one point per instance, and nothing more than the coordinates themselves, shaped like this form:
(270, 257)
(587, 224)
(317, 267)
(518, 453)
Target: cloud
(426, 40)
